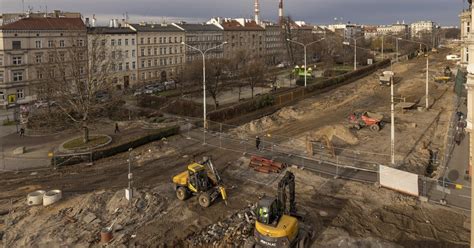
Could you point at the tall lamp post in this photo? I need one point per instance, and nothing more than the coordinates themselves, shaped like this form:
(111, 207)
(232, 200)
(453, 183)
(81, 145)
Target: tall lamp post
(427, 103)
(203, 53)
(355, 50)
(355, 47)
(305, 59)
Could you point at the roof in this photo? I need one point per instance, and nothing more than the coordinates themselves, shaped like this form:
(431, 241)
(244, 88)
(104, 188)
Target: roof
(155, 28)
(233, 25)
(191, 27)
(46, 24)
(109, 30)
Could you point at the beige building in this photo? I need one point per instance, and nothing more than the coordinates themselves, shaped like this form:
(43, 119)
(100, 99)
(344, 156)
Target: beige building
(242, 35)
(275, 45)
(465, 18)
(160, 54)
(26, 46)
(121, 44)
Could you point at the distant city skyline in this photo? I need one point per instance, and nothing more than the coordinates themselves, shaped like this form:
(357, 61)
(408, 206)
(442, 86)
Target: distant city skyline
(312, 11)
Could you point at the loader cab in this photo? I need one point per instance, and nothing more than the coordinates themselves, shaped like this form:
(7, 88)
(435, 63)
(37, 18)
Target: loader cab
(198, 179)
(267, 211)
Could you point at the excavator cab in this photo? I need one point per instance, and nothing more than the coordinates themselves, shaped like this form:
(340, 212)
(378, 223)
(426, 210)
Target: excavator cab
(267, 211)
(198, 178)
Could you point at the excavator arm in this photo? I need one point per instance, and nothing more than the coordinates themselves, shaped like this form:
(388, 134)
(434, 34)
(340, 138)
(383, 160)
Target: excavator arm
(286, 189)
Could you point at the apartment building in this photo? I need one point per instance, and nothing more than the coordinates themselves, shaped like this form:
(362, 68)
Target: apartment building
(422, 27)
(275, 45)
(121, 45)
(465, 18)
(241, 35)
(202, 36)
(27, 45)
(160, 54)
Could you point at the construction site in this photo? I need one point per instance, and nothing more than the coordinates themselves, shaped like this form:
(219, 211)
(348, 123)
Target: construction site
(220, 189)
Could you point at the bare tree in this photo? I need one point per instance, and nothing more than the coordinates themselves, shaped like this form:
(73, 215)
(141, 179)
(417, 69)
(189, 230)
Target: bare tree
(75, 75)
(254, 72)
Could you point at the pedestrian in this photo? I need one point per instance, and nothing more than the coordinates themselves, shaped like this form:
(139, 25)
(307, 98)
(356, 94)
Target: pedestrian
(257, 142)
(22, 132)
(117, 130)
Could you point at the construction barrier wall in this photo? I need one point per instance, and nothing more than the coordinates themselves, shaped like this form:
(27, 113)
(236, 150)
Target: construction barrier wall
(399, 180)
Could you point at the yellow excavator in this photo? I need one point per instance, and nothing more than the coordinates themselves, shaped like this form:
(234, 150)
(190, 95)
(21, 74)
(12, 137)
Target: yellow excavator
(200, 179)
(277, 225)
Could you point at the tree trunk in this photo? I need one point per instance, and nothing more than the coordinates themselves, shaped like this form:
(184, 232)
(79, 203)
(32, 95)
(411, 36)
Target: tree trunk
(240, 91)
(86, 134)
(251, 86)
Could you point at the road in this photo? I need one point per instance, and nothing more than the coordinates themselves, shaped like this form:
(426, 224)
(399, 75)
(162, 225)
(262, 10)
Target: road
(454, 197)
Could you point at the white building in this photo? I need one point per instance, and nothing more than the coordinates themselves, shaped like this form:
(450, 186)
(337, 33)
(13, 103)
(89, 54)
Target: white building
(347, 30)
(420, 27)
(121, 43)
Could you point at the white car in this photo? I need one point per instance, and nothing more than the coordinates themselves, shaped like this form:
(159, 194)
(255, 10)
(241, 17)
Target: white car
(43, 104)
(453, 57)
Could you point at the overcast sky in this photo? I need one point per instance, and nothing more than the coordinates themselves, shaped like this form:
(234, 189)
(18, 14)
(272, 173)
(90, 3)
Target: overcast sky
(445, 12)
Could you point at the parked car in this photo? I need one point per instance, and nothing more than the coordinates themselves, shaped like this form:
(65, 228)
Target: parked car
(453, 57)
(171, 84)
(44, 104)
(102, 96)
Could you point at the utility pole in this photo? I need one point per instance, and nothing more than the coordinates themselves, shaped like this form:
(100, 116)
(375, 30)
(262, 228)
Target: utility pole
(427, 82)
(129, 190)
(396, 42)
(392, 124)
(382, 48)
(355, 54)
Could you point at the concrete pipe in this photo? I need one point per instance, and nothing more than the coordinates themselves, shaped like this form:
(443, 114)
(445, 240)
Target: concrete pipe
(51, 197)
(35, 198)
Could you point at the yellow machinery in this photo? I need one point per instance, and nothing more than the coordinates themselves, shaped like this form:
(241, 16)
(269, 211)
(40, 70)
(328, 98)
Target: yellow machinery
(277, 225)
(200, 179)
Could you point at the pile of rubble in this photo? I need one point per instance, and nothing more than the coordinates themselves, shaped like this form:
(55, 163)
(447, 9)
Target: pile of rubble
(231, 232)
(78, 221)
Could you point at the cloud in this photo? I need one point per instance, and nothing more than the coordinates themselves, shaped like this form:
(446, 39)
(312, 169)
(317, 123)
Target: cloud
(314, 11)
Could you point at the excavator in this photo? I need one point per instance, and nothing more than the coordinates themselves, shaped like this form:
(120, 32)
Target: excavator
(277, 224)
(200, 179)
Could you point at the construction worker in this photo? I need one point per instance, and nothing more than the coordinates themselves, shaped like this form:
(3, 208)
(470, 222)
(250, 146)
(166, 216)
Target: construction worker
(257, 142)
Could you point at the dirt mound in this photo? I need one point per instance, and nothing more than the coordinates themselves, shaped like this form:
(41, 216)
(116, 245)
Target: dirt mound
(283, 116)
(338, 131)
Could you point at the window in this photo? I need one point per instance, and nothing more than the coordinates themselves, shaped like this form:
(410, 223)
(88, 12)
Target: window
(161, 40)
(143, 64)
(114, 67)
(112, 42)
(1, 59)
(51, 58)
(180, 39)
(16, 44)
(142, 51)
(61, 43)
(17, 76)
(149, 63)
(38, 58)
(126, 42)
(16, 60)
(127, 66)
(133, 42)
(133, 53)
(156, 51)
(2, 95)
(149, 51)
(20, 94)
(80, 43)
(143, 75)
(154, 40)
(155, 62)
(126, 53)
(62, 56)
(161, 50)
(81, 56)
(120, 67)
(113, 55)
(39, 75)
(133, 65)
(149, 40)
(103, 42)
(169, 39)
(50, 43)
(38, 44)
(142, 40)
(175, 39)
(134, 76)
(119, 42)
(1, 77)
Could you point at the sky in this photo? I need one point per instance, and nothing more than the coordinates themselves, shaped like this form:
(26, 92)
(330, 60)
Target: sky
(444, 12)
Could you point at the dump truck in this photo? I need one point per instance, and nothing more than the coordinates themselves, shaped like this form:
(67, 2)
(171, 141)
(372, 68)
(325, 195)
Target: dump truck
(386, 78)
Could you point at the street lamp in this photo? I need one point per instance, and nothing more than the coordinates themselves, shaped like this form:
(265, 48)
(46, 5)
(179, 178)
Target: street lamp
(427, 70)
(203, 53)
(355, 49)
(129, 191)
(349, 44)
(305, 59)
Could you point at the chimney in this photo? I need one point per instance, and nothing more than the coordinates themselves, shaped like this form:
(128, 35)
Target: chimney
(257, 12)
(93, 20)
(280, 11)
(87, 22)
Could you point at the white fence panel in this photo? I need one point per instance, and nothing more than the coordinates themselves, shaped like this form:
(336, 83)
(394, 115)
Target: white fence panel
(399, 180)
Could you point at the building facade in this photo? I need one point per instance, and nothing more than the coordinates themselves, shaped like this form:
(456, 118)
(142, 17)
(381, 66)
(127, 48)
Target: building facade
(275, 45)
(465, 18)
(242, 35)
(422, 27)
(160, 54)
(121, 44)
(27, 45)
(203, 37)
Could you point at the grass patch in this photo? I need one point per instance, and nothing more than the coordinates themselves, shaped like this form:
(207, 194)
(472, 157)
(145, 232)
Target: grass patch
(78, 143)
(8, 122)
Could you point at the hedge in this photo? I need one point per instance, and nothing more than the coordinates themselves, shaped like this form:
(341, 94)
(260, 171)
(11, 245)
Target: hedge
(109, 151)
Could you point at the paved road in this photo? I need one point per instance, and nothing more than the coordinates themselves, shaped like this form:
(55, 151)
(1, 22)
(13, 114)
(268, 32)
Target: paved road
(459, 198)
